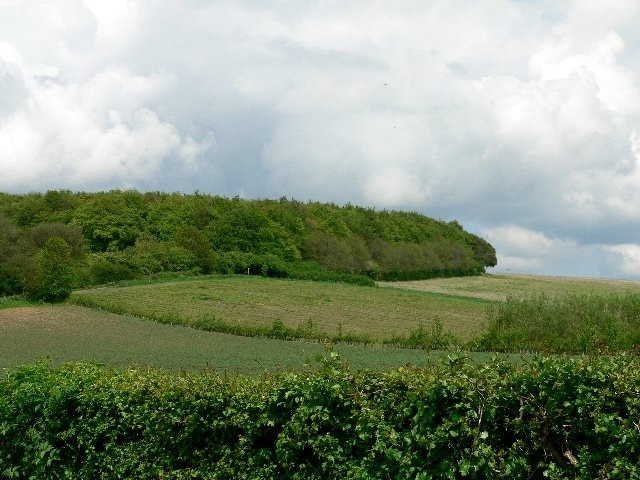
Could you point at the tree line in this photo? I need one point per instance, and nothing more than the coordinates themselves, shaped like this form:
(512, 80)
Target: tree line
(55, 241)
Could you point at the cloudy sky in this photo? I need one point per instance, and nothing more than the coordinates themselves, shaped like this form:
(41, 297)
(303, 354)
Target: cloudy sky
(518, 118)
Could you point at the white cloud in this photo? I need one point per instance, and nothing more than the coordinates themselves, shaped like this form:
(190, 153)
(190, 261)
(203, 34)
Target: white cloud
(10, 54)
(547, 119)
(123, 91)
(79, 150)
(509, 263)
(630, 258)
(520, 240)
(520, 250)
(12, 88)
(116, 22)
(598, 193)
(617, 84)
(394, 187)
(91, 133)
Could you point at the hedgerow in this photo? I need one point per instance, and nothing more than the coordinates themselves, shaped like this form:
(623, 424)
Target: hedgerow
(556, 418)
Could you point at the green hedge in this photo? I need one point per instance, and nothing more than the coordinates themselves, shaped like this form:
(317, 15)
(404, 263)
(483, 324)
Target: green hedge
(552, 418)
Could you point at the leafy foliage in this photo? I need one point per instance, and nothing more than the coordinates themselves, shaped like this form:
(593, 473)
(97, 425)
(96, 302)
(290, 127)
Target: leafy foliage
(149, 233)
(42, 263)
(553, 418)
(52, 277)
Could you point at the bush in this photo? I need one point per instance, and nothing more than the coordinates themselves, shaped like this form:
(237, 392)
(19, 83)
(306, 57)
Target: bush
(150, 256)
(9, 284)
(432, 338)
(104, 271)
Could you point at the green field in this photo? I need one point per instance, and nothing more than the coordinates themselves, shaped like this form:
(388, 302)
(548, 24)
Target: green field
(499, 287)
(120, 332)
(72, 333)
(315, 309)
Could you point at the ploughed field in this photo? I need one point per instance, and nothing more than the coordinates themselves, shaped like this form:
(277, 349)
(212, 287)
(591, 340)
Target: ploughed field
(150, 324)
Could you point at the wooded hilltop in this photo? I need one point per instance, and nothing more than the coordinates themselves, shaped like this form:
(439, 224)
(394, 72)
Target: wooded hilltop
(53, 242)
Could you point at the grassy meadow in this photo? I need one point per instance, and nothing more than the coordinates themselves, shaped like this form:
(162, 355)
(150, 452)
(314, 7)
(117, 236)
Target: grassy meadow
(321, 310)
(114, 326)
(502, 286)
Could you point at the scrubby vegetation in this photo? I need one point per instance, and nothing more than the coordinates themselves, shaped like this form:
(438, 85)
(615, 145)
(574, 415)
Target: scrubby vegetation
(553, 418)
(572, 323)
(109, 236)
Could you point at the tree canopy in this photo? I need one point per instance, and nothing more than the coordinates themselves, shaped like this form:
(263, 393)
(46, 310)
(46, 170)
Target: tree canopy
(105, 236)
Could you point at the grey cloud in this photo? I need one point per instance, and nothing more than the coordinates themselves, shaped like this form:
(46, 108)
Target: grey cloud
(515, 113)
(13, 91)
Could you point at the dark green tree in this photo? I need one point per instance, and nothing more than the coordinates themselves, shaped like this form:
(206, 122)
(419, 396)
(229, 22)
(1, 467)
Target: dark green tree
(483, 251)
(40, 234)
(193, 240)
(50, 273)
(9, 283)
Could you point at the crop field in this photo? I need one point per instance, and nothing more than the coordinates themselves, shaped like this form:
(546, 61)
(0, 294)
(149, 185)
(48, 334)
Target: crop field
(70, 333)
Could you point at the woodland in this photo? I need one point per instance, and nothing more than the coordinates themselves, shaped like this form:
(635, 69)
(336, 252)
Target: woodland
(54, 242)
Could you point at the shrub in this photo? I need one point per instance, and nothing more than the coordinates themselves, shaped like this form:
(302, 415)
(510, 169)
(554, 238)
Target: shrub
(104, 271)
(433, 338)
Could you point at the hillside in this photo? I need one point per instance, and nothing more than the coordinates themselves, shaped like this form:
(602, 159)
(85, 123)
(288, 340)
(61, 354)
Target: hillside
(109, 236)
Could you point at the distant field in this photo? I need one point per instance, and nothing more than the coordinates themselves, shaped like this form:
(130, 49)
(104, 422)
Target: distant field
(499, 287)
(72, 333)
(321, 308)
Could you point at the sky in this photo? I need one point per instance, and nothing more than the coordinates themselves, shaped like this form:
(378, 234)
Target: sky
(518, 118)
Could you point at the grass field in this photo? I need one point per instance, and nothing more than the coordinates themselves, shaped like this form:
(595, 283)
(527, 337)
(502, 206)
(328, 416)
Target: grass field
(318, 309)
(499, 287)
(70, 333)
